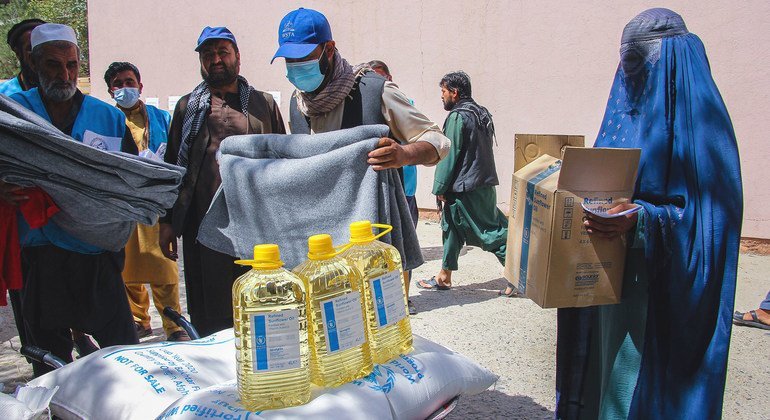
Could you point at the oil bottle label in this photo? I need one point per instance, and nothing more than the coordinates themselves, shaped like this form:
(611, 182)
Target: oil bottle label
(388, 298)
(343, 322)
(275, 338)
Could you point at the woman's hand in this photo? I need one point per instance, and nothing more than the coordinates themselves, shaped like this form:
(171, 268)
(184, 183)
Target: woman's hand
(612, 227)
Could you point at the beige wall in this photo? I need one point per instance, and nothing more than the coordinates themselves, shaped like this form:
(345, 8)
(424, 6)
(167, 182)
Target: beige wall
(539, 66)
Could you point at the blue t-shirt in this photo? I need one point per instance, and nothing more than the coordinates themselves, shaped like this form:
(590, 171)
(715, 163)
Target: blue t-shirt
(410, 180)
(410, 175)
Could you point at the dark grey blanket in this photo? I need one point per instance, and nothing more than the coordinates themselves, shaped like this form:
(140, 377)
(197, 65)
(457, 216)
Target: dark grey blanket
(284, 188)
(101, 194)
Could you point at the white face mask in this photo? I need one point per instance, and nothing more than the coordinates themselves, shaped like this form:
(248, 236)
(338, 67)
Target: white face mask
(126, 97)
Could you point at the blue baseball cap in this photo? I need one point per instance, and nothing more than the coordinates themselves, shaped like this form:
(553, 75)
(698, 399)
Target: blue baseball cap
(300, 32)
(217, 32)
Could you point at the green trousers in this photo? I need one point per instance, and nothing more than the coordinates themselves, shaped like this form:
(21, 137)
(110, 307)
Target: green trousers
(472, 218)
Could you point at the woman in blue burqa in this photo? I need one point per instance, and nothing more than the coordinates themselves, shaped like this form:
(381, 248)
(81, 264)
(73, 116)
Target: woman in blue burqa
(662, 352)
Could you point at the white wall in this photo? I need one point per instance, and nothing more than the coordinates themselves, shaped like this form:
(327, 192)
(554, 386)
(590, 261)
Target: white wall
(539, 66)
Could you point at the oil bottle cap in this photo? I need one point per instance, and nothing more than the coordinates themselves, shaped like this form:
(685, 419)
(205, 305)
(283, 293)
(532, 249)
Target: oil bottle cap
(266, 256)
(361, 232)
(320, 247)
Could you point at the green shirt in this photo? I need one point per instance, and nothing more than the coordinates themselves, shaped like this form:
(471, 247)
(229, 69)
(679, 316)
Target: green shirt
(445, 170)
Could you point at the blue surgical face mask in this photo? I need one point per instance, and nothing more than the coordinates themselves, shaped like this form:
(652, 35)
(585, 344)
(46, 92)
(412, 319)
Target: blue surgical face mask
(126, 97)
(305, 76)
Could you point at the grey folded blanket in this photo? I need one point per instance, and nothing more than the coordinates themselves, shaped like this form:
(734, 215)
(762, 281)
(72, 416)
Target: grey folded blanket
(101, 194)
(284, 188)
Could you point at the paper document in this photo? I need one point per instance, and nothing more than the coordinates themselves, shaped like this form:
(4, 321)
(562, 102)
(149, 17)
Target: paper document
(605, 215)
(276, 96)
(101, 142)
(172, 100)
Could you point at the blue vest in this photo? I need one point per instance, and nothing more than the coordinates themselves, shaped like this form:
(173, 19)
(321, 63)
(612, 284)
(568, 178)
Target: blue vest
(94, 115)
(10, 86)
(159, 121)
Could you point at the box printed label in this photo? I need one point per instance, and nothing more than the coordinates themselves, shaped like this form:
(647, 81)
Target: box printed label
(603, 206)
(530, 201)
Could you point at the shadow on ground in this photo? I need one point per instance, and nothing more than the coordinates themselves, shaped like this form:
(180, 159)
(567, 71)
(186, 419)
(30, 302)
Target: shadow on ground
(433, 253)
(494, 404)
(428, 300)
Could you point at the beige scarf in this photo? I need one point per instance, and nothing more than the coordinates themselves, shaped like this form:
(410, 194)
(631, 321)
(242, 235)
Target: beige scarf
(343, 79)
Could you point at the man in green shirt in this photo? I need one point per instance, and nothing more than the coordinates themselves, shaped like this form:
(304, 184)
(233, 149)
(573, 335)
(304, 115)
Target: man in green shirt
(464, 182)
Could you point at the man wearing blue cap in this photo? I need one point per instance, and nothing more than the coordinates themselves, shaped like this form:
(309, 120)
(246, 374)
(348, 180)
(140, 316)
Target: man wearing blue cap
(222, 105)
(331, 94)
(68, 283)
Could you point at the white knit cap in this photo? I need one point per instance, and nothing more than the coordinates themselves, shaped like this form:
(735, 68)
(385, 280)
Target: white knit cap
(48, 32)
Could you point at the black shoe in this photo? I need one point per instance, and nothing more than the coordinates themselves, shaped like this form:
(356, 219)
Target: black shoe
(84, 346)
(141, 331)
(412, 309)
(180, 335)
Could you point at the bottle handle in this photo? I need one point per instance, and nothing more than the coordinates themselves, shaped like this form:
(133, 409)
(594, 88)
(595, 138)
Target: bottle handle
(259, 264)
(387, 229)
(342, 248)
(337, 251)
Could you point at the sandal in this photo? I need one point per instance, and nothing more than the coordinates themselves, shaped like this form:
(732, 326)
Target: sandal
(753, 322)
(429, 284)
(432, 284)
(512, 294)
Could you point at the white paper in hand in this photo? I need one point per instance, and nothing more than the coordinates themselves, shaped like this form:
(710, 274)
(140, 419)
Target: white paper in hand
(606, 215)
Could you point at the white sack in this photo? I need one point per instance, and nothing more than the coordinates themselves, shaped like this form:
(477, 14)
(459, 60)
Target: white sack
(408, 387)
(139, 381)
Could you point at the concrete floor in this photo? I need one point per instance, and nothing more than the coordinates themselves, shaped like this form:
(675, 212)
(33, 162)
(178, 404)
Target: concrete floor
(513, 337)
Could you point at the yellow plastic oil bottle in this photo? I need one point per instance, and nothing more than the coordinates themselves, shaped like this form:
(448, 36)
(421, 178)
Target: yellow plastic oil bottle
(387, 320)
(271, 334)
(339, 350)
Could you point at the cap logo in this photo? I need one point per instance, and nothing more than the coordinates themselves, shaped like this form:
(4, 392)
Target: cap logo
(288, 30)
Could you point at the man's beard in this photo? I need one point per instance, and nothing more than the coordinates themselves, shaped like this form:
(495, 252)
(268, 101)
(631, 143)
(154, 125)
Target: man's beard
(448, 105)
(216, 80)
(58, 90)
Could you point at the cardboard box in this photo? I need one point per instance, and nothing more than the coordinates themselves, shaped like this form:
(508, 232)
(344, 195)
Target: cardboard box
(551, 257)
(528, 147)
